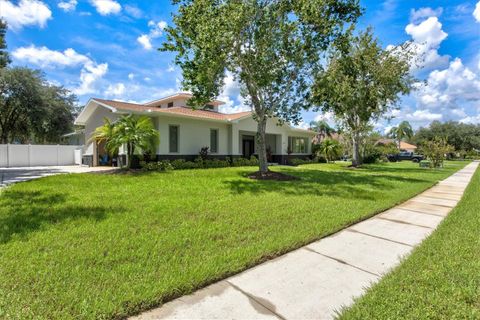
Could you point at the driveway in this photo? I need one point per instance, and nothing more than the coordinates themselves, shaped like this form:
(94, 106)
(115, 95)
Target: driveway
(19, 174)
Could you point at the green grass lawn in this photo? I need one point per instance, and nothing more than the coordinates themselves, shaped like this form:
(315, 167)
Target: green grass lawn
(441, 279)
(105, 246)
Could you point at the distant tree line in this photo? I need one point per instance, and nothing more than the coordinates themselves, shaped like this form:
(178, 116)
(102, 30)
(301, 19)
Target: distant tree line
(463, 137)
(31, 109)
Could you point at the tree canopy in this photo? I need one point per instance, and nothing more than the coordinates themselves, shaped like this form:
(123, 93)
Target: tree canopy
(4, 57)
(31, 109)
(361, 83)
(461, 136)
(271, 47)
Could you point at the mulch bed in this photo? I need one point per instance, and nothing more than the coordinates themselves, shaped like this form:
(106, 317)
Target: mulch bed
(271, 175)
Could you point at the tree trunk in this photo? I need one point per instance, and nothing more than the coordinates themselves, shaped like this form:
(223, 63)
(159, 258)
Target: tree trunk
(261, 147)
(356, 161)
(129, 155)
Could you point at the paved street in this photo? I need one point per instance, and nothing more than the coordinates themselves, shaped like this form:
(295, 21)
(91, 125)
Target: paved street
(13, 175)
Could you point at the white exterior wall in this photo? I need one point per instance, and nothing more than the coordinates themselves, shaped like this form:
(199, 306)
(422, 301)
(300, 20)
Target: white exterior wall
(193, 135)
(95, 121)
(25, 155)
(283, 131)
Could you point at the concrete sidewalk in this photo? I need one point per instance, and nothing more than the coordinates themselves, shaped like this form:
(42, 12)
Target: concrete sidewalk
(317, 280)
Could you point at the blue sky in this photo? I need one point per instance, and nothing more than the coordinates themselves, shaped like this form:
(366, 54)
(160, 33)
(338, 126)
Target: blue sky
(106, 48)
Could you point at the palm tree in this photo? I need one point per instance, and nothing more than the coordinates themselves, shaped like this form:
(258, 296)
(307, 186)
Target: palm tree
(402, 131)
(322, 128)
(104, 133)
(138, 134)
(331, 149)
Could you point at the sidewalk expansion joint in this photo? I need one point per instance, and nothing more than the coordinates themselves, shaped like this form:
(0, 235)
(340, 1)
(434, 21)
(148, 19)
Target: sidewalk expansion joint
(382, 238)
(403, 222)
(341, 261)
(438, 205)
(422, 212)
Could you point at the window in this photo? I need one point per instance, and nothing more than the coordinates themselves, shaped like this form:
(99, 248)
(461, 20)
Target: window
(298, 145)
(208, 107)
(173, 138)
(213, 140)
(170, 105)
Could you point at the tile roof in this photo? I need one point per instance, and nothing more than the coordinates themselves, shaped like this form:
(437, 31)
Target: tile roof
(403, 144)
(182, 111)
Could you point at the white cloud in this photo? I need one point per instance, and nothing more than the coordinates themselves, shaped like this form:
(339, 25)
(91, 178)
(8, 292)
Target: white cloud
(26, 13)
(171, 68)
(89, 76)
(450, 87)
(44, 57)
(131, 76)
(68, 5)
(144, 40)
(476, 13)
(106, 7)
(423, 115)
(133, 11)
(426, 12)
(471, 119)
(427, 37)
(156, 30)
(115, 90)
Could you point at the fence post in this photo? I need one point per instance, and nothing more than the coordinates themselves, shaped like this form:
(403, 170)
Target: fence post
(29, 149)
(8, 155)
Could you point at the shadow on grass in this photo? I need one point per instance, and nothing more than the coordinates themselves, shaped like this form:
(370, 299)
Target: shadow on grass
(23, 212)
(348, 184)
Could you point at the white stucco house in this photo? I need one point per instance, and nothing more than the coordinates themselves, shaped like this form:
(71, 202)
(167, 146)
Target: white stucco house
(184, 131)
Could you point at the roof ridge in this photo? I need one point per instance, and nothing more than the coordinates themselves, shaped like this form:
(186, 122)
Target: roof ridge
(119, 101)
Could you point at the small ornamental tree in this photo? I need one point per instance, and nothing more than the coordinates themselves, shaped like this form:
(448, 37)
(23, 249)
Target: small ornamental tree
(271, 47)
(436, 150)
(361, 83)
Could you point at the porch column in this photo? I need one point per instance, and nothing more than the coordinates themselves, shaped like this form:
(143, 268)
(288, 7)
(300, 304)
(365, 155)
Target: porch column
(234, 140)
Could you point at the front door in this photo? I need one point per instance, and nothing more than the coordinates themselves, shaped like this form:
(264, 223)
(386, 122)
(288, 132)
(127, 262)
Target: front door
(248, 147)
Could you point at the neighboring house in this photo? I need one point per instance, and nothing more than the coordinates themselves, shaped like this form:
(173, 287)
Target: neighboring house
(184, 131)
(404, 146)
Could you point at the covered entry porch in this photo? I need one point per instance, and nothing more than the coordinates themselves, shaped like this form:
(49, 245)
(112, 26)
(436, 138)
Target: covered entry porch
(247, 145)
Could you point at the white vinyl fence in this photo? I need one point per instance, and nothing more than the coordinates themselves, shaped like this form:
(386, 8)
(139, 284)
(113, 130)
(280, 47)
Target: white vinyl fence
(31, 155)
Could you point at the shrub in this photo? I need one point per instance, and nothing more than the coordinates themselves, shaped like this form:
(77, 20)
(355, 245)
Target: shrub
(164, 165)
(242, 162)
(180, 164)
(215, 163)
(372, 155)
(297, 161)
(204, 151)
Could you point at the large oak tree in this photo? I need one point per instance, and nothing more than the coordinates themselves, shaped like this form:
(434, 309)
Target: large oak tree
(272, 47)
